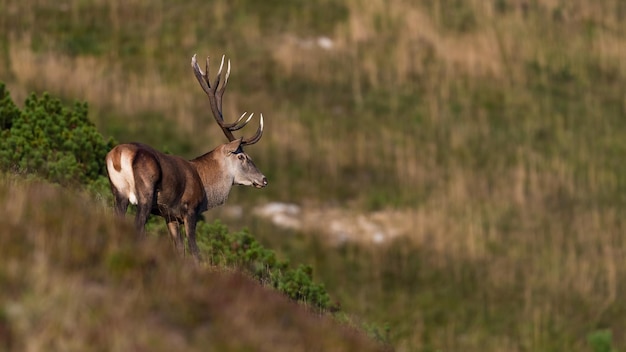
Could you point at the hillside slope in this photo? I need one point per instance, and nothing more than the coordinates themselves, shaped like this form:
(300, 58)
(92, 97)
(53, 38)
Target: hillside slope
(72, 279)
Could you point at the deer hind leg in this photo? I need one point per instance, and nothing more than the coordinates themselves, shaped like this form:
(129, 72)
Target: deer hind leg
(177, 239)
(145, 184)
(141, 218)
(121, 203)
(144, 206)
(145, 192)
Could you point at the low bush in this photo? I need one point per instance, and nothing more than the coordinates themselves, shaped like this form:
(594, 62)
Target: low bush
(51, 140)
(242, 251)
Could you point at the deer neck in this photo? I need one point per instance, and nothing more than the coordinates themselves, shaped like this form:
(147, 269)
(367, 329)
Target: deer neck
(216, 179)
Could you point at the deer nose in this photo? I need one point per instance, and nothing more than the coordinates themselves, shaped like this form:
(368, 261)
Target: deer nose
(264, 181)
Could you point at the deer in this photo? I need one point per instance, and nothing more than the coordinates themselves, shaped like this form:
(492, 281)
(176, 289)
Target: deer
(177, 189)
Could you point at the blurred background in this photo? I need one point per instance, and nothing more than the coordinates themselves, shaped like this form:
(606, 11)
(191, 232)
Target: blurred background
(453, 170)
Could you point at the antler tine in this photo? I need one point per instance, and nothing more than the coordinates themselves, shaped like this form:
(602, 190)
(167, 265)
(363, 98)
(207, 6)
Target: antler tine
(225, 82)
(200, 76)
(237, 125)
(216, 83)
(227, 73)
(215, 93)
(257, 135)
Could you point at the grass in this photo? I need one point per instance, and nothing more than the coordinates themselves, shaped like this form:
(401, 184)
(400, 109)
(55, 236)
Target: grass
(517, 293)
(498, 125)
(74, 279)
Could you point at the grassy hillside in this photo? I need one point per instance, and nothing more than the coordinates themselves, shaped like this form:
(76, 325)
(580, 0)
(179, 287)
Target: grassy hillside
(496, 127)
(73, 279)
(414, 94)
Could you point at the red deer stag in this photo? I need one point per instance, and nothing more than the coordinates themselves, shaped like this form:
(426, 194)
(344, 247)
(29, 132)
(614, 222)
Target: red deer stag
(180, 190)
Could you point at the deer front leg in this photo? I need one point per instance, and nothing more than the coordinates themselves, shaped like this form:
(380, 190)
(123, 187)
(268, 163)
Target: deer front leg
(190, 230)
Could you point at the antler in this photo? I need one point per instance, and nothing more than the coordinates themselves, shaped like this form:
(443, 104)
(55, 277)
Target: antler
(215, 91)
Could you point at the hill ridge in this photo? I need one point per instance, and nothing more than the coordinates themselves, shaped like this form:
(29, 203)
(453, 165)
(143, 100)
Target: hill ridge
(75, 279)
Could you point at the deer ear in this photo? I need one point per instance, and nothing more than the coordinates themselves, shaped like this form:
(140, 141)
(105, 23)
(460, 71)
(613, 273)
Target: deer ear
(233, 146)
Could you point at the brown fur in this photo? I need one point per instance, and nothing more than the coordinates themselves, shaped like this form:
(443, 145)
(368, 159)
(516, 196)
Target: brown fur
(117, 159)
(174, 188)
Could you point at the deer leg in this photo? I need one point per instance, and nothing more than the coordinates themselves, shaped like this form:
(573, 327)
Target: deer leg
(145, 185)
(121, 203)
(143, 212)
(145, 189)
(177, 239)
(190, 230)
(144, 206)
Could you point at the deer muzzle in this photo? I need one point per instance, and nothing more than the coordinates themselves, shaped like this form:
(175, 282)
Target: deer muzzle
(262, 184)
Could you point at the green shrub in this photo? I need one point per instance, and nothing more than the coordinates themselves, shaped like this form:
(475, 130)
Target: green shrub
(298, 285)
(601, 341)
(8, 110)
(241, 250)
(47, 138)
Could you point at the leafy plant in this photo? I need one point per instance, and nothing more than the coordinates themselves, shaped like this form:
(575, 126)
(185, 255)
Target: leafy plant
(241, 250)
(601, 341)
(8, 110)
(47, 138)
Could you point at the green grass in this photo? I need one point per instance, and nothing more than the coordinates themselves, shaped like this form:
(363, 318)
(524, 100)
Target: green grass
(519, 296)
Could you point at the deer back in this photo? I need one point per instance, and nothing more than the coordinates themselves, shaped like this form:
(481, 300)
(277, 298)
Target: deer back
(144, 175)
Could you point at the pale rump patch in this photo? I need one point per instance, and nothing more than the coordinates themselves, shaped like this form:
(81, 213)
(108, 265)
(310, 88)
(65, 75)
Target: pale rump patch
(123, 180)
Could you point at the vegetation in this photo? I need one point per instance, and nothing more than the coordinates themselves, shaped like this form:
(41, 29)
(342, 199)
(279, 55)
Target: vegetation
(63, 146)
(496, 126)
(46, 138)
(73, 279)
(241, 250)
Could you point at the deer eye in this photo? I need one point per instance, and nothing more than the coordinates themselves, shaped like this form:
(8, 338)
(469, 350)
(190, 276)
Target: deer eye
(241, 157)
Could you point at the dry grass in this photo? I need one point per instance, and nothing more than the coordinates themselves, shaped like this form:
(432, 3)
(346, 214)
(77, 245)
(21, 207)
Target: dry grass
(101, 83)
(74, 279)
